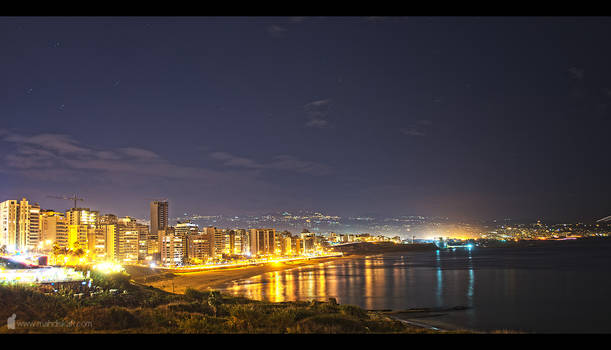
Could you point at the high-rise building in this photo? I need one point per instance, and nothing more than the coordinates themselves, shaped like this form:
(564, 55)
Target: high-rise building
(33, 238)
(262, 241)
(9, 229)
(308, 240)
(216, 239)
(297, 246)
(143, 241)
(285, 244)
(82, 216)
(19, 224)
(229, 242)
(128, 239)
(152, 245)
(198, 248)
(152, 238)
(124, 238)
(171, 247)
(241, 242)
(219, 242)
(211, 235)
(184, 230)
(159, 217)
(78, 236)
(83, 230)
(109, 231)
(54, 229)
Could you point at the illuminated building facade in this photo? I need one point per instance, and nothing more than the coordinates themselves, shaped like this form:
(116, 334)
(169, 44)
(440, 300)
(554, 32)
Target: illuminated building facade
(216, 238)
(198, 248)
(19, 224)
(297, 246)
(262, 241)
(184, 230)
(82, 216)
(33, 238)
(171, 247)
(77, 236)
(229, 242)
(307, 240)
(122, 239)
(219, 242)
(241, 244)
(143, 241)
(285, 246)
(109, 231)
(83, 230)
(54, 228)
(128, 239)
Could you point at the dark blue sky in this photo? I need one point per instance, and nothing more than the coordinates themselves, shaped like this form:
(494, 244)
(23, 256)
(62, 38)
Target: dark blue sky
(460, 117)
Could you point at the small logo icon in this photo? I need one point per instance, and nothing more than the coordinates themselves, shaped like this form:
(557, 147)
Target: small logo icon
(10, 322)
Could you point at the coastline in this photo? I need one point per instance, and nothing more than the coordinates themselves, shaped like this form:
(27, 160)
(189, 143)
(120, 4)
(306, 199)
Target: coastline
(427, 323)
(178, 282)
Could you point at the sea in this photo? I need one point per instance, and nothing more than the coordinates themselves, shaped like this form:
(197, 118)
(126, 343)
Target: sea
(561, 287)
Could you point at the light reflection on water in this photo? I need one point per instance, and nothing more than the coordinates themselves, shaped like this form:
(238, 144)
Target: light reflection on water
(545, 291)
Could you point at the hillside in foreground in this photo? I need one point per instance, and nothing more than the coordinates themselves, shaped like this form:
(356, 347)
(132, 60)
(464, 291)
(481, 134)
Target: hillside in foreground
(121, 306)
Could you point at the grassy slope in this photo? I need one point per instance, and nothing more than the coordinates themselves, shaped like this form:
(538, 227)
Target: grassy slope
(149, 310)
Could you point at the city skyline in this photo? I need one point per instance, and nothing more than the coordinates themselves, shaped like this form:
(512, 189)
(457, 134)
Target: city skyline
(350, 116)
(305, 175)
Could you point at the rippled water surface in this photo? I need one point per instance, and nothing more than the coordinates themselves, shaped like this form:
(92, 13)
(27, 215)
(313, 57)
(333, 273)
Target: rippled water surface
(560, 288)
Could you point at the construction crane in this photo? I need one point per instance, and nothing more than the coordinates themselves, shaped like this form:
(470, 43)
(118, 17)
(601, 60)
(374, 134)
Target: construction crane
(73, 198)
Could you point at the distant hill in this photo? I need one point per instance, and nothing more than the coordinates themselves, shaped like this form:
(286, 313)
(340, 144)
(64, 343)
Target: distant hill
(605, 219)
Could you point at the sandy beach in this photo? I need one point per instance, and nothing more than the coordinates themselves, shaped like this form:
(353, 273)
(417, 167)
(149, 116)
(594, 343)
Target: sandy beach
(178, 282)
(203, 280)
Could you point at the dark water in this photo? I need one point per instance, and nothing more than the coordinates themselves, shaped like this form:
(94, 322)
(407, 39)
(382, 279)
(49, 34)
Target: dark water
(555, 288)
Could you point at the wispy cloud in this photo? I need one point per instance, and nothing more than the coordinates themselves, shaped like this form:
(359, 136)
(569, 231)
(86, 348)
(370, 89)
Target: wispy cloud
(47, 163)
(139, 153)
(317, 113)
(61, 144)
(44, 154)
(317, 123)
(419, 128)
(231, 160)
(279, 162)
(412, 132)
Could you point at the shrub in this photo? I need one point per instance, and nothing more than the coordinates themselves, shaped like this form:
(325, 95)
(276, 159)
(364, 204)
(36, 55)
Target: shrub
(118, 280)
(329, 323)
(194, 294)
(113, 318)
(354, 311)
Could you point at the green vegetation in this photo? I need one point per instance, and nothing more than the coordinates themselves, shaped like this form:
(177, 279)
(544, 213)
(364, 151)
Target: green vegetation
(132, 308)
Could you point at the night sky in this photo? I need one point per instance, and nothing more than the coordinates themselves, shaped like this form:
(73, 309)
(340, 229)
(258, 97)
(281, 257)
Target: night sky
(469, 118)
